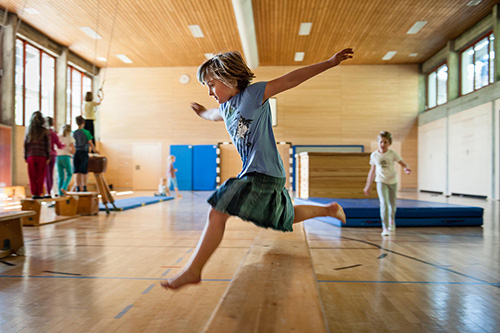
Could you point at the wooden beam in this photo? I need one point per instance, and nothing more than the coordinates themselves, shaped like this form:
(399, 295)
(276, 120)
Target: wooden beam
(274, 290)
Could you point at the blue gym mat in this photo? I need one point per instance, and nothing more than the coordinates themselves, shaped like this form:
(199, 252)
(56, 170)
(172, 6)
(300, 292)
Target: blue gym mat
(409, 213)
(129, 203)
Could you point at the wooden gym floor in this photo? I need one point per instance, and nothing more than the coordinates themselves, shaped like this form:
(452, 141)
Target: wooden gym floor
(101, 273)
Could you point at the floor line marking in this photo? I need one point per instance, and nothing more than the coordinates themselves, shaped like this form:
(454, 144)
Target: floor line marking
(166, 272)
(148, 289)
(124, 311)
(413, 282)
(91, 277)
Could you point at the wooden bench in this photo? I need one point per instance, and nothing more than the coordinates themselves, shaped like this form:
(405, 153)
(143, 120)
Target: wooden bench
(274, 290)
(43, 215)
(11, 233)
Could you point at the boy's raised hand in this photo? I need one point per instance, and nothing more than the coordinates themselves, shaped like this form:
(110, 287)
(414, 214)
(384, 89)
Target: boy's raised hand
(198, 108)
(341, 56)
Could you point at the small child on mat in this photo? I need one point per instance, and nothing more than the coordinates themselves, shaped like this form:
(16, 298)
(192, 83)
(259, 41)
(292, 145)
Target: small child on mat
(383, 172)
(162, 188)
(258, 194)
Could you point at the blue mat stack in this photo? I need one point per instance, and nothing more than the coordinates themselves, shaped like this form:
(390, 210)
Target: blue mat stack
(410, 213)
(129, 203)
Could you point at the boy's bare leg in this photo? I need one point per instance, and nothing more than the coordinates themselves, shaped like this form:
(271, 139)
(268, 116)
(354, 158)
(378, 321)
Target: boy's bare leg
(305, 212)
(208, 243)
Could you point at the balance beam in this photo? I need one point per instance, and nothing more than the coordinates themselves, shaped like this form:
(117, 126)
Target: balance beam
(274, 289)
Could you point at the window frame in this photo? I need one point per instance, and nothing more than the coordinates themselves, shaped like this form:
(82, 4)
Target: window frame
(435, 70)
(40, 80)
(69, 103)
(472, 45)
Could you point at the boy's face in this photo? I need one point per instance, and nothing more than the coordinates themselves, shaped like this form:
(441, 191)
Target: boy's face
(383, 144)
(219, 90)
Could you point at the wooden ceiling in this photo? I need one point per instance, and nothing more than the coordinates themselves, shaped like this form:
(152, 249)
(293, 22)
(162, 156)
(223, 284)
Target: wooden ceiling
(155, 33)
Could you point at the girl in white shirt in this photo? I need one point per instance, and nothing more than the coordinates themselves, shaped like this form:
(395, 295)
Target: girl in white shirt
(383, 172)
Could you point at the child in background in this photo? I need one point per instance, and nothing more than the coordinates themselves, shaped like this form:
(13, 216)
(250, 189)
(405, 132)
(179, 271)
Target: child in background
(162, 188)
(64, 155)
(89, 113)
(54, 141)
(172, 180)
(37, 153)
(83, 139)
(258, 194)
(383, 172)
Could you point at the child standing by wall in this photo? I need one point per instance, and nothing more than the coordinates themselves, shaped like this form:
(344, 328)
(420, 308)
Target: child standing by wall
(64, 167)
(172, 179)
(89, 113)
(83, 139)
(383, 172)
(258, 194)
(37, 153)
(54, 141)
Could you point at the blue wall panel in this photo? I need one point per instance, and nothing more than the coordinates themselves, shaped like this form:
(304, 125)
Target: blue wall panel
(204, 167)
(184, 165)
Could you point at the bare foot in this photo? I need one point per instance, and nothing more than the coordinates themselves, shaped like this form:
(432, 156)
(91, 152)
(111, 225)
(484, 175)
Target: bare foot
(336, 211)
(181, 279)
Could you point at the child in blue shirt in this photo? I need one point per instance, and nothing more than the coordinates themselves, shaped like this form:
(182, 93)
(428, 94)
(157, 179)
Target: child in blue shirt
(258, 194)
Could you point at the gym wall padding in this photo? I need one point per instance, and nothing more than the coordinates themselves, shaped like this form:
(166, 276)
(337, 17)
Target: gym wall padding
(184, 165)
(204, 167)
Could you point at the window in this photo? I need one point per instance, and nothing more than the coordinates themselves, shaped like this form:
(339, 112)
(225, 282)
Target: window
(35, 82)
(78, 85)
(477, 65)
(437, 87)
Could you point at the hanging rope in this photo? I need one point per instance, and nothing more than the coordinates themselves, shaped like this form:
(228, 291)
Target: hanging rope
(5, 15)
(20, 18)
(100, 92)
(96, 37)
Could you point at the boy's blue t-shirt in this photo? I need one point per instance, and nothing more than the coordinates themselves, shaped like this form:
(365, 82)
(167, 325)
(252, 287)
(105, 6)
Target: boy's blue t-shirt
(249, 125)
(82, 137)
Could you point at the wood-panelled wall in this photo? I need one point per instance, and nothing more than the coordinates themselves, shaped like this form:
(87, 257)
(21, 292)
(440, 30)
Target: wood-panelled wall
(347, 105)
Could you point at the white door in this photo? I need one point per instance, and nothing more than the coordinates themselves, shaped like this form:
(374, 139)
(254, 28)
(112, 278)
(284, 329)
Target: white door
(147, 166)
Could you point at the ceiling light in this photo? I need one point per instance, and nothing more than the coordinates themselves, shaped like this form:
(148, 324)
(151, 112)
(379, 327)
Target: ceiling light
(389, 55)
(305, 29)
(101, 59)
(413, 54)
(474, 2)
(209, 55)
(31, 11)
(416, 27)
(299, 56)
(89, 31)
(124, 58)
(196, 31)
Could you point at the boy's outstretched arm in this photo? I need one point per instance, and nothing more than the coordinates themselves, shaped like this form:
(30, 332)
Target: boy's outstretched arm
(405, 167)
(210, 114)
(296, 77)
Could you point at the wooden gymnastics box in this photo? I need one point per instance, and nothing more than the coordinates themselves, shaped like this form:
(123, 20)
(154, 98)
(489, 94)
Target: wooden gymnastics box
(333, 175)
(88, 202)
(68, 206)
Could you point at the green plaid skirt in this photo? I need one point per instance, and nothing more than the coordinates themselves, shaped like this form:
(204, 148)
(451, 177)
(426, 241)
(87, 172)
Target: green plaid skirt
(257, 198)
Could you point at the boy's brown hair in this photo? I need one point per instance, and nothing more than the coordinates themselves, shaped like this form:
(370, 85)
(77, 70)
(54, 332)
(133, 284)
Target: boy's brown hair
(229, 68)
(386, 135)
(79, 120)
